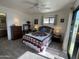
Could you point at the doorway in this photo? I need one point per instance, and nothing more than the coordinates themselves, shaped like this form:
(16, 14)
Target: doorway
(3, 25)
(72, 45)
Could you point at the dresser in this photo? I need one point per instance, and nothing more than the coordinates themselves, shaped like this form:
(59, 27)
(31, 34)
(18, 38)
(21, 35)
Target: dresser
(16, 32)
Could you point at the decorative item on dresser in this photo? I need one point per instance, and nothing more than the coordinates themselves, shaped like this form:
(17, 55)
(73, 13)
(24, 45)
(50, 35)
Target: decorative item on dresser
(26, 27)
(16, 32)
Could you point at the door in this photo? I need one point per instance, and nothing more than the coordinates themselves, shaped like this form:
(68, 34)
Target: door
(73, 34)
(3, 26)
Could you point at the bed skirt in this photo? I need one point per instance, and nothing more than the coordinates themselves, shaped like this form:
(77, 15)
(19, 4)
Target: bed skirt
(43, 48)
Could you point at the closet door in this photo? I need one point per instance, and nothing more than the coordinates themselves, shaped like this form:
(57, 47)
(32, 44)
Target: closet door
(3, 26)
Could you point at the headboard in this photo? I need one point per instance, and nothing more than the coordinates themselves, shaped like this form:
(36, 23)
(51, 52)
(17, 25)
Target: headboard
(46, 28)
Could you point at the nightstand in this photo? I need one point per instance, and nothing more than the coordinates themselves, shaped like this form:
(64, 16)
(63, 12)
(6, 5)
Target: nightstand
(56, 38)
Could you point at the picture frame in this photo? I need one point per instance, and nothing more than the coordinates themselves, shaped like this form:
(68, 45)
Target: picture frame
(35, 21)
(62, 20)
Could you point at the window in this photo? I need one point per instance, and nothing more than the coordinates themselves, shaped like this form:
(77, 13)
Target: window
(52, 19)
(46, 20)
(49, 20)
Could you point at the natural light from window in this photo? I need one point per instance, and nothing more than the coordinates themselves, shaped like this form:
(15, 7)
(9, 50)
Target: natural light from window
(49, 20)
(46, 20)
(72, 44)
(52, 19)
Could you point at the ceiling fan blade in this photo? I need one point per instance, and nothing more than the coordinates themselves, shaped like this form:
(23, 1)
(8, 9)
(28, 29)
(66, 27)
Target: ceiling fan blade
(37, 5)
(29, 2)
(47, 8)
(31, 7)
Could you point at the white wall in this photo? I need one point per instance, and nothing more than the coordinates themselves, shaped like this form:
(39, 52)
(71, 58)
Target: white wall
(66, 36)
(36, 16)
(12, 14)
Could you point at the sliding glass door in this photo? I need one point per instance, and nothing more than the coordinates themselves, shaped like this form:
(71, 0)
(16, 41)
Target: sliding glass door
(73, 33)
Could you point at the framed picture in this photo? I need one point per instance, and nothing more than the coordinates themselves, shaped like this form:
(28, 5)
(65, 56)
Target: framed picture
(35, 21)
(62, 20)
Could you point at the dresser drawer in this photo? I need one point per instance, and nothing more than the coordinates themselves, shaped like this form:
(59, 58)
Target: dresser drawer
(16, 32)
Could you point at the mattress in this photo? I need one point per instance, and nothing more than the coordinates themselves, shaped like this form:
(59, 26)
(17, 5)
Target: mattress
(40, 38)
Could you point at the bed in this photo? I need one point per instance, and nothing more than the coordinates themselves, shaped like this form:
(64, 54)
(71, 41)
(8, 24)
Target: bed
(38, 40)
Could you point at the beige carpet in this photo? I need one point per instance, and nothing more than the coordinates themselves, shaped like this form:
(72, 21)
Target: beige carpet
(13, 49)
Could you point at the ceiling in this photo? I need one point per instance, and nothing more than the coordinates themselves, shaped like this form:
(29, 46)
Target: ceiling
(41, 6)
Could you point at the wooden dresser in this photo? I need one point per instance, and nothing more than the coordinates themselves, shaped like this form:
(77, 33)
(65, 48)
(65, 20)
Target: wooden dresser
(16, 32)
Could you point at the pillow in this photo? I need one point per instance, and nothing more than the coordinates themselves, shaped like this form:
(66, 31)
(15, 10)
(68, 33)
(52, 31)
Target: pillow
(43, 30)
(39, 33)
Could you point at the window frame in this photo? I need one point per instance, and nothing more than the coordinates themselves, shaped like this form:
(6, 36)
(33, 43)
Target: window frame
(49, 20)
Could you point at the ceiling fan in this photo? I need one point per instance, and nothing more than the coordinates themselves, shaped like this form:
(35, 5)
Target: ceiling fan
(36, 4)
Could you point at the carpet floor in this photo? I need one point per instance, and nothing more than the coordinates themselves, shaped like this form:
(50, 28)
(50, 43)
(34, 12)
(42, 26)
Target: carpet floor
(12, 49)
